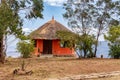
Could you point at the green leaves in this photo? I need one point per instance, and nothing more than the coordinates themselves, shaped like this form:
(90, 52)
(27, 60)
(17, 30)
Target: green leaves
(82, 42)
(25, 48)
(11, 21)
(7, 18)
(68, 37)
(31, 8)
(85, 44)
(114, 41)
(113, 34)
(99, 14)
(114, 51)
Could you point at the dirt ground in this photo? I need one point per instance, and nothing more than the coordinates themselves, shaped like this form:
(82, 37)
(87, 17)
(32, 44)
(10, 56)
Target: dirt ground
(56, 67)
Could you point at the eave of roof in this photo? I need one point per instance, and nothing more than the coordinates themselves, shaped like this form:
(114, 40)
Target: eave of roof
(48, 30)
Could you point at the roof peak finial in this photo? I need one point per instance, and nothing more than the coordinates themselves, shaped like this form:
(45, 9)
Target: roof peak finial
(52, 17)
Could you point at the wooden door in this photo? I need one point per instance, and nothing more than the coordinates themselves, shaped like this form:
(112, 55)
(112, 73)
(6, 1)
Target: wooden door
(47, 46)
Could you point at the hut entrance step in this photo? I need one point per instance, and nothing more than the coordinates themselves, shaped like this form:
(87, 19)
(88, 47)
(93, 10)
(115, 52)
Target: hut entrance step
(46, 56)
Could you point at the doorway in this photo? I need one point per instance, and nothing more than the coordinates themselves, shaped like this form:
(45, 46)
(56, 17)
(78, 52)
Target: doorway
(47, 46)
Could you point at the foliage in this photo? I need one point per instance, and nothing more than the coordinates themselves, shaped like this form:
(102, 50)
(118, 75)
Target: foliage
(30, 8)
(85, 15)
(104, 13)
(7, 19)
(10, 11)
(113, 34)
(78, 42)
(25, 48)
(80, 20)
(11, 21)
(68, 37)
(114, 51)
(114, 41)
(8, 25)
(85, 44)
(78, 16)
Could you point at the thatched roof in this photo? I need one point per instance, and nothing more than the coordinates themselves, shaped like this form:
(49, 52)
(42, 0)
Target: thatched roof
(48, 30)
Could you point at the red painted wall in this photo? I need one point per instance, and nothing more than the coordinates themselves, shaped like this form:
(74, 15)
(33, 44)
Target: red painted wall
(39, 45)
(56, 49)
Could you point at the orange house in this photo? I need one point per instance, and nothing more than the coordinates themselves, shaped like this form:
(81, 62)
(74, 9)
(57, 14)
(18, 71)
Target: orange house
(46, 41)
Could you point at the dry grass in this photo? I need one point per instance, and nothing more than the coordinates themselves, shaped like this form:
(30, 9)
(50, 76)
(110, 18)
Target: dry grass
(44, 68)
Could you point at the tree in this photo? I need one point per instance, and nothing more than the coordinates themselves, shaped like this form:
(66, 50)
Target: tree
(114, 41)
(82, 42)
(80, 20)
(114, 51)
(10, 20)
(25, 47)
(85, 44)
(78, 16)
(69, 37)
(85, 15)
(104, 12)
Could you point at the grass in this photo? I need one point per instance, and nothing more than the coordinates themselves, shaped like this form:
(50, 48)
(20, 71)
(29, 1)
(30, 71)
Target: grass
(56, 67)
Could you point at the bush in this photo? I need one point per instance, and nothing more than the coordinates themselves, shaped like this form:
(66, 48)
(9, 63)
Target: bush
(114, 51)
(113, 37)
(25, 48)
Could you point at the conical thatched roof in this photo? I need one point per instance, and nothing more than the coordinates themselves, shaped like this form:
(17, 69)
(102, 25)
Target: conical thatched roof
(48, 30)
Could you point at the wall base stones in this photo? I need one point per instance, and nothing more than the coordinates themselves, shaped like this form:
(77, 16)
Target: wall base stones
(90, 76)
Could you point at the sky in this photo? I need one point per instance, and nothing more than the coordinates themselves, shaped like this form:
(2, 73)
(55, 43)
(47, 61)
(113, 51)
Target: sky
(51, 8)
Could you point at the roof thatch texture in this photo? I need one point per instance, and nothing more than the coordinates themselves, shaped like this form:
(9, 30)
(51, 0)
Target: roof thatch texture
(48, 30)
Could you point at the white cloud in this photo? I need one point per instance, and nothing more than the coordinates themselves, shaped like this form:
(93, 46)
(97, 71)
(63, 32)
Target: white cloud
(77, 1)
(26, 29)
(55, 2)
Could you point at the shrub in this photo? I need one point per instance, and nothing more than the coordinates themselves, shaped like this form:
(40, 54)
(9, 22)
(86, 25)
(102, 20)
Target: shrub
(114, 51)
(113, 37)
(25, 48)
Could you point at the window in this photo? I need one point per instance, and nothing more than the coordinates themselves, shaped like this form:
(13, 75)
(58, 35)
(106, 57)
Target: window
(35, 43)
(63, 44)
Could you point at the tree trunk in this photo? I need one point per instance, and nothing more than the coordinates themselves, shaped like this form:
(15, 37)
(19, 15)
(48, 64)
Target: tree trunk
(85, 52)
(96, 45)
(2, 56)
